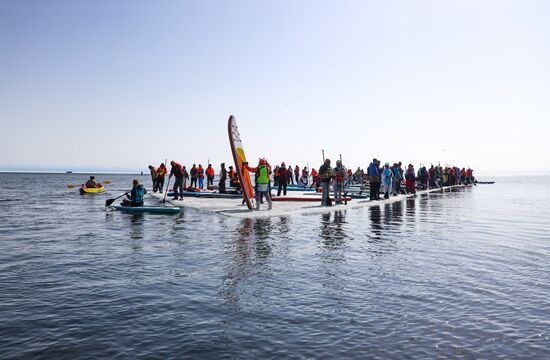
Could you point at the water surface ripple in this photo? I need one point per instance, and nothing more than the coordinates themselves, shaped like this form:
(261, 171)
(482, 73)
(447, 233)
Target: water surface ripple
(461, 275)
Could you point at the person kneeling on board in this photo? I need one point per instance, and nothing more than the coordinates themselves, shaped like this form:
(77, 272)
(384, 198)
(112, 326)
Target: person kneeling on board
(262, 182)
(91, 183)
(135, 198)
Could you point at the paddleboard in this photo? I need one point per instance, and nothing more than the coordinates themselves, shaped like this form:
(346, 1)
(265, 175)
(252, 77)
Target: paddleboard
(302, 199)
(239, 157)
(147, 209)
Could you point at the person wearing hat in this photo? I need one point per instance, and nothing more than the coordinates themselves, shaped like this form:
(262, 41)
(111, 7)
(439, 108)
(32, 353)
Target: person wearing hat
(91, 183)
(223, 177)
(283, 179)
(262, 182)
(135, 198)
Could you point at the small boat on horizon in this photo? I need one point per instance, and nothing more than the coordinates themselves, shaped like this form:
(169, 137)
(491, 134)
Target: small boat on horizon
(68, 172)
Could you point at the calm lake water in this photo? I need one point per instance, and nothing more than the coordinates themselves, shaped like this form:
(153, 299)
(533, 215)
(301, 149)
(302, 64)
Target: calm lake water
(461, 275)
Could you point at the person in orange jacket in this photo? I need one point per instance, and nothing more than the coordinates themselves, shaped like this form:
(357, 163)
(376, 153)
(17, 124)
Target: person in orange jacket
(161, 173)
(200, 176)
(209, 175)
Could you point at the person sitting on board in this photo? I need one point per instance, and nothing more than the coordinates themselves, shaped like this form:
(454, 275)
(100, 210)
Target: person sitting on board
(325, 173)
(283, 179)
(154, 177)
(177, 172)
(223, 177)
(200, 176)
(262, 182)
(135, 198)
(209, 176)
(161, 173)
(91, 183)
(339, 181)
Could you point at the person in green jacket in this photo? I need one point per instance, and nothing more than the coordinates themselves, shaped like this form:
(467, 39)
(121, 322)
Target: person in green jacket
(262, 182)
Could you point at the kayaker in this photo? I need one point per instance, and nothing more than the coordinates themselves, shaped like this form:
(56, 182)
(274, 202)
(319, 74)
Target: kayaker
(154, 177)
(325, 172)
(223, 177)
(193, 173)
(209, 175)
(387, 177)
(200, 176)
(262, 182)
(339, 181)
(91, 183)
(161, 173)
(374, 183)
(177, 172)
(410, 180)
(283, 179)
(135, 198)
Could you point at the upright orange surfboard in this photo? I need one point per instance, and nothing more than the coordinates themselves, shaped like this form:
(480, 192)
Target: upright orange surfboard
(239, 157)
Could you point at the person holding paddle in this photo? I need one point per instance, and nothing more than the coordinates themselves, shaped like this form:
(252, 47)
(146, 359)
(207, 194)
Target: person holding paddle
(135, 198)
(177, 172)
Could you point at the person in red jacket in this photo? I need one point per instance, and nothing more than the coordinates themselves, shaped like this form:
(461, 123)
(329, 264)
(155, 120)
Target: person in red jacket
(161, 173)
(283, 179)
(209, 175)
(297, 174)
(200, 176)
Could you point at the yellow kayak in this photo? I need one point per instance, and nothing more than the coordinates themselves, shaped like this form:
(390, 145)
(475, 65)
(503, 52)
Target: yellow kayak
(96, 190)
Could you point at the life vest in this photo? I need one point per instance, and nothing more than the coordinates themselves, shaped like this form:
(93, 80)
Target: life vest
(350, 174)
(161, 171)
(200, 172)
(263, 176)
(327, 174)
(276, 173)
(231, 174)
(210, 172)
(314, 173)
(340, 175)
(137, 194)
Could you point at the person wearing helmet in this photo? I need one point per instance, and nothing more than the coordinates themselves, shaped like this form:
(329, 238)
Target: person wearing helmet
(262, 182)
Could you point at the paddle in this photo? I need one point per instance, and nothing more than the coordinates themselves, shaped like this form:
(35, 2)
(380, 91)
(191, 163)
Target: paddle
(110, 201)
(167, 186)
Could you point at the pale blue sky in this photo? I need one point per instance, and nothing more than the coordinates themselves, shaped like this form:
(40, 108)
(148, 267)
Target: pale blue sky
(121, 84)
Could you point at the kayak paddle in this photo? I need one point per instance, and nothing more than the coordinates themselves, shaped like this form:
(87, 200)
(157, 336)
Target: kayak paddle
(110, 201)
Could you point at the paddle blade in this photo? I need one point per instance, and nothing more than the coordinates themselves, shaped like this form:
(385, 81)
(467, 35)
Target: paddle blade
(109, 202)
(107, 182)
(70, 186)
